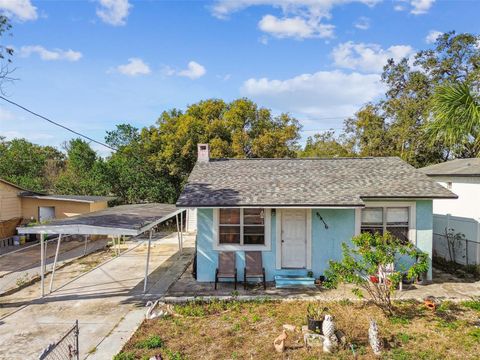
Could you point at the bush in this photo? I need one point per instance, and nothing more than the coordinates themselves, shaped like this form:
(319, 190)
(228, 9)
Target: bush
(371, 254)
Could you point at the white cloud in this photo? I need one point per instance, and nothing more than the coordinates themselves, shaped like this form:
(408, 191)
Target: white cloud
(295, 27)
(21, 9)
(301, 18)
(367, 57)
(432, 36)
(134, 67)
(421, 6)
(417, 7)
(363, 23)
(193, 71)
(50, 55)
(324, 93)
(114, 12)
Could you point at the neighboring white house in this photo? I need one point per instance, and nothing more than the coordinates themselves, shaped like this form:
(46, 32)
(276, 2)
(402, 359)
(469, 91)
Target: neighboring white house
(461, 176)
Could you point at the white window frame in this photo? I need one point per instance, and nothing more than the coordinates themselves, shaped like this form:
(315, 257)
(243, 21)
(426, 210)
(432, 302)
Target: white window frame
(411, 205)
(241, 247)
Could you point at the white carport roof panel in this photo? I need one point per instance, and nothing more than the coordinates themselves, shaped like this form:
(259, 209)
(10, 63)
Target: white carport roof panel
(119, 220)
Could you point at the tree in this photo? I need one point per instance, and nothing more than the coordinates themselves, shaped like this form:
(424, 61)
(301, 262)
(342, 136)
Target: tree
(124, 135)
(456, 119)
(6, 53)
(238, 129)
(84, 173)
(30, 166)
(394, 125)
(372, 254)
(324, 145)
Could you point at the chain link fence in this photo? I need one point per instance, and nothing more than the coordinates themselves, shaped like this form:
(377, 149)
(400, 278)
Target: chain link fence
(65, 349)
(456, 249)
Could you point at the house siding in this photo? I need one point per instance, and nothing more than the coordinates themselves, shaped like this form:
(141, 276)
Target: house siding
(326, 243)
(424, 220)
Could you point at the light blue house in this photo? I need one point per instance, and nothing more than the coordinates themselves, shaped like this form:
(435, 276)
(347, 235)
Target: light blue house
(298, 212)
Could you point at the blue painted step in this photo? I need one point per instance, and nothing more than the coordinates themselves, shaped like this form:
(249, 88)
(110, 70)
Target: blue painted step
(286, 281)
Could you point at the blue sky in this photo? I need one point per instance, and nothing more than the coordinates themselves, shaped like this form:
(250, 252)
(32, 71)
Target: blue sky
(93, 64)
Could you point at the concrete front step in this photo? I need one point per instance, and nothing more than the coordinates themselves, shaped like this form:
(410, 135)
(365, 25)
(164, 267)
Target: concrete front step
(292, 281)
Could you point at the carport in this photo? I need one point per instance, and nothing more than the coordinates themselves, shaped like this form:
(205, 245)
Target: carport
(124, 220)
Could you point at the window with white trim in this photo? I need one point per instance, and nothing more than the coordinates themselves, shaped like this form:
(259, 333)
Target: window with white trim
(241, 226)
(395, 220)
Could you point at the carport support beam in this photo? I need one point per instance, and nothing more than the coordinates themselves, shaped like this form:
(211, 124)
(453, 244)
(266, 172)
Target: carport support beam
(178, 233)
(86, 242)
(55, 262)
(42, 262)
(148, 260)
(181, 232)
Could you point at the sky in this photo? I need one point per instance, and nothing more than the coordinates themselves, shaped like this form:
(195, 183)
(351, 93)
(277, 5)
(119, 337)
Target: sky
(96, 63)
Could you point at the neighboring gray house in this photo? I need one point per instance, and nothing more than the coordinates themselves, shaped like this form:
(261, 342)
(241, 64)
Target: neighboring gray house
(298, 212)
(461, 176)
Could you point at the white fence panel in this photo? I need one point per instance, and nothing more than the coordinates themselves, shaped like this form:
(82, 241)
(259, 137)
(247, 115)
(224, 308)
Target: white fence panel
(467, 252)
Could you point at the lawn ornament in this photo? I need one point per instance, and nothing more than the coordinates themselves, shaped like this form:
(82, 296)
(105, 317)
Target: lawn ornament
(328, 328)
(279, 342)
(153, 314)
(374, 339)
(430, 303)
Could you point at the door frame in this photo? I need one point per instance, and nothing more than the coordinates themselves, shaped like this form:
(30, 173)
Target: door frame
(278, 237)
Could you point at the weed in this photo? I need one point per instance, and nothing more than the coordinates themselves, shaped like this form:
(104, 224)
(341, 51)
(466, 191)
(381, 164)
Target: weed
(236, 327)
(256, 318)
(152, 342)
(452, 325)
(22, 280)
(124, 356)
(174, 355)
(345, 302)
(445, 306)
(404, 338)
(399, 320)
(92, 350)
(471, 304)
(475, 333)
(399, 354)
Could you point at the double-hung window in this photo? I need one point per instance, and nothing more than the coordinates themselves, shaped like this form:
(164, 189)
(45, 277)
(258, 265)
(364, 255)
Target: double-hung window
(244, 226)
(395, 220)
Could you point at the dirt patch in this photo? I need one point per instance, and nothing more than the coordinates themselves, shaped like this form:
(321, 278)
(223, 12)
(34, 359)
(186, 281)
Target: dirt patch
(235, 330)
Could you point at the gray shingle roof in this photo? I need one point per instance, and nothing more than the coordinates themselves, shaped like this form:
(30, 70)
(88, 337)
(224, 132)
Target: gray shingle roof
(457, 167)
(74, 198)
(305, 182)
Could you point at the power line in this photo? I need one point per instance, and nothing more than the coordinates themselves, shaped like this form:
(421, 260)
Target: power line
(55, 123)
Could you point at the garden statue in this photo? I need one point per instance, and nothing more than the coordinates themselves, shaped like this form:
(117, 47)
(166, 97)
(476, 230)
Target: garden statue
(328, 328)
(374, 339)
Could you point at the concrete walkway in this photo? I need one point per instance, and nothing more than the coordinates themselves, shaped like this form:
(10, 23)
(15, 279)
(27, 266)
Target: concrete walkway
(107, 301)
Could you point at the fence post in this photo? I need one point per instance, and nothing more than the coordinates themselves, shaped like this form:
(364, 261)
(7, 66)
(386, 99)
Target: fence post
(77, 331)
(466, 251)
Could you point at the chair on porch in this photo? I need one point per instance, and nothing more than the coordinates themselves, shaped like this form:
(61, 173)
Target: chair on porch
(227, 268)
(253, 267)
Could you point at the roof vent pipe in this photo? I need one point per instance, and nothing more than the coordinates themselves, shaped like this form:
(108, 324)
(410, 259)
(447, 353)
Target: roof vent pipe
(203, 153)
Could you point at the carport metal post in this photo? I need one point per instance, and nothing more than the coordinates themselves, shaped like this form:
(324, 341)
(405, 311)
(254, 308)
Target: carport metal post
(148, 260)
(178, 234)
(55, 262)
(42, 262)
(181, 232)
(86, 242)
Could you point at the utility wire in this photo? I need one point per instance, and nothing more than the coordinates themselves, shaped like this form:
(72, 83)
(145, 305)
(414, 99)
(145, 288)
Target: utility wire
(57, 124)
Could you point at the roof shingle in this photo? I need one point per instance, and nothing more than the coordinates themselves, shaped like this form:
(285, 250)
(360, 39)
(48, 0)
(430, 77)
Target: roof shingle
(305, 182)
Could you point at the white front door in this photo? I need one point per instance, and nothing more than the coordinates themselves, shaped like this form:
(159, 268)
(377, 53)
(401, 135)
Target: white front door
(294, 239)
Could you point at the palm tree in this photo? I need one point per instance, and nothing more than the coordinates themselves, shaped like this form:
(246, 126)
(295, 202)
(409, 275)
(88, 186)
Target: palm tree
(456, 119)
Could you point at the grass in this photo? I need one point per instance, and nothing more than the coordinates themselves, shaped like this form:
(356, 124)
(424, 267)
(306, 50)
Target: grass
(246, 330)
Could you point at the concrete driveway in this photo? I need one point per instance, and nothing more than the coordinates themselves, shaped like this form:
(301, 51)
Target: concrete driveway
(107, 301)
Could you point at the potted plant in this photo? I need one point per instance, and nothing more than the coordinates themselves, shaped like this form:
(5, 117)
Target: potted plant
(315, 316)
